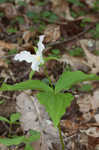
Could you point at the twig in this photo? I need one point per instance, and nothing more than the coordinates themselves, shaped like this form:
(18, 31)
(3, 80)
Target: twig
(4, 96)
(59, 42)
(70, 39)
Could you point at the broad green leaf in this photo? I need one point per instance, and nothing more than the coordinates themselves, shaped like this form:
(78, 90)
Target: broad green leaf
(55, 104)
(13, 141)
(29, 84)
(34, 135)
(14, 117)
(28, 147)
(4, 119)
(68, 79)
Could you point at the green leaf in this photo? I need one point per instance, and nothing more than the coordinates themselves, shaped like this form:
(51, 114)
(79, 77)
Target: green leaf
(2, 102)
(4, 119)
(86, 88)
(20, 19)
(68, 79)
(49, 15)
(13, 141)
(14, 117)
(28, 147)
(12, 51)
(76, 52)
(76, 2)
(11, 30)
(29, 84)
(22, 3)
(51, 58)
(34, 136)
(1, 14)
(86, 20)
(2, 1)
(97, 27)
(33, 15)
(55, 104)
(55, 51)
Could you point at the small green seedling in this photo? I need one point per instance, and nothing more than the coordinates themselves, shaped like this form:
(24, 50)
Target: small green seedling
(86, 88)
(2, 101)
(12, 51)
(11, 30)
(33, 136)
(13, 119)
(76, 52)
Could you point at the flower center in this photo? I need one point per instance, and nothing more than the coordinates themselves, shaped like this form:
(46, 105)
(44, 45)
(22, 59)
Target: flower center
(38, 58)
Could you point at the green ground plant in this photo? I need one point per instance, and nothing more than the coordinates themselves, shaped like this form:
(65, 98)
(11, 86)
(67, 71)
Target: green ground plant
(16, 140)
(54, 98)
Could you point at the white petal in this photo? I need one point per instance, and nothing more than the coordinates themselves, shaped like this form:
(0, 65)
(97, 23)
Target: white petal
(36, 59)
(24, 55)
(41, 60)
(35, 66)
(40, 45)
(39, 53)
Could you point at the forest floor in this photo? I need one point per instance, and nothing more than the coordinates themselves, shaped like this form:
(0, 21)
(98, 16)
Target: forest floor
(71, 29)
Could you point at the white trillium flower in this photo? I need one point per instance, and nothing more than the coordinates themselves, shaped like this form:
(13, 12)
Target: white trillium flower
(36, 59)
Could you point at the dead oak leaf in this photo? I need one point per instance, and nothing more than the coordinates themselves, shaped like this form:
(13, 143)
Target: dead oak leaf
(61, 7)
(52, 33)
(27, 35)
(89, 102)
(6, 45)
(92, 60)
(9, 10)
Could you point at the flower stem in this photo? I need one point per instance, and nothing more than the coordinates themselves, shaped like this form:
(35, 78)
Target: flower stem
(31, 74)
(61, 138)
(46, 73)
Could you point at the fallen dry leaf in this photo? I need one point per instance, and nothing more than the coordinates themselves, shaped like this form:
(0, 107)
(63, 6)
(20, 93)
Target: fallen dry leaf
(92, 60)
(27, 35)
(90, 3)
(97, 44)
(2, 61)
(52, 33)
(93, 131)
(3, 147)
(9, 10)
(61, 7)
(91, 64)
(75, 62)
(89, 102)
(34, 116)
(6, 45)
(97, 118)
